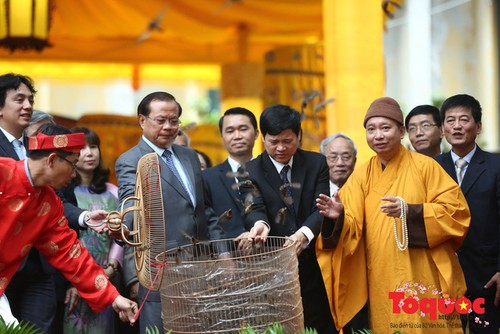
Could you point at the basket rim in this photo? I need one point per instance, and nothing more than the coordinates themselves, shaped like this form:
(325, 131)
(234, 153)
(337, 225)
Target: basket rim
(162, 257)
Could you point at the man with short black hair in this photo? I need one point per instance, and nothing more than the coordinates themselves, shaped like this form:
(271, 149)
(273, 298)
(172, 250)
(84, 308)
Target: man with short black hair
(187, 213)
(478, 174)
(288, 179)
(423, 124)
(238, 129)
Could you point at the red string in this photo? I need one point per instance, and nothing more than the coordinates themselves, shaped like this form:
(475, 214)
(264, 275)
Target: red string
(149, 290)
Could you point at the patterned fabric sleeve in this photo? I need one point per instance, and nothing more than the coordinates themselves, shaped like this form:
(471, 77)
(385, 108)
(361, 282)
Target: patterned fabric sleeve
(63, 250)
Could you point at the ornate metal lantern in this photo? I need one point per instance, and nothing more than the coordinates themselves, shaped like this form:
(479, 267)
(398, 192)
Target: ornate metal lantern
(24, 24)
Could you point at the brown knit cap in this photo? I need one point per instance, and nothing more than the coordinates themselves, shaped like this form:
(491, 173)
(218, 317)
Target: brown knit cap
(385, 107)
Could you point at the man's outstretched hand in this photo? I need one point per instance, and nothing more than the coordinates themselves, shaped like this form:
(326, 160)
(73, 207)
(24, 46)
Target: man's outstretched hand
(126, 309)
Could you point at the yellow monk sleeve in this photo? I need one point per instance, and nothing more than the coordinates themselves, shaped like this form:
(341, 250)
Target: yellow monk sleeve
(344, 267)
(63, 250)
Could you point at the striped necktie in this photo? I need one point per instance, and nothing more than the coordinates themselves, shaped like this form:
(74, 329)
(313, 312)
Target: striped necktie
(167, 156)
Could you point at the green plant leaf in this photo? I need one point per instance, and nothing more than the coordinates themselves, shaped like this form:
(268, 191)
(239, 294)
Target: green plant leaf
(22, 328)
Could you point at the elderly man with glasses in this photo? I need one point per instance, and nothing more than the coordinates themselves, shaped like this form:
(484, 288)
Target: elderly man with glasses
(340, 153)
(187, 213)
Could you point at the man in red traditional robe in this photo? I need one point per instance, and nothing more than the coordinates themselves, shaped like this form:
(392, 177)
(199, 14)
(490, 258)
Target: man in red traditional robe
(32, 216)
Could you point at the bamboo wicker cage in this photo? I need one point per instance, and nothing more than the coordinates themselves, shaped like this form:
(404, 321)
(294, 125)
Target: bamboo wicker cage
(214, 287)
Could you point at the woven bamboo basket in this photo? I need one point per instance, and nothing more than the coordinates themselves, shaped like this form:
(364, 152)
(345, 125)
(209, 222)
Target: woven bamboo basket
(214, 287)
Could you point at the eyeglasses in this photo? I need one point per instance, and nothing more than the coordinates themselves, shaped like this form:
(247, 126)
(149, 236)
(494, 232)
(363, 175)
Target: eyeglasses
(425, 127)
(335, 157)
(73, 165)
(160, 121)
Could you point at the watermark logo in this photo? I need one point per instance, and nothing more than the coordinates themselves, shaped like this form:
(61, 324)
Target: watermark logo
(409, 298)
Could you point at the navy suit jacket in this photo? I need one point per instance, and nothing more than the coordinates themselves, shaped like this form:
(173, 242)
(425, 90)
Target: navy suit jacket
(479, 254)
(71, 211)
(6, 148)
(310, 171)
(222, 196)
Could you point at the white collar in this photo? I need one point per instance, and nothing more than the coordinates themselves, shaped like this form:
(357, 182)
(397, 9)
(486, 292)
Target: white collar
(279, 166)
(233, 164)
(10, 137)
(467, 158)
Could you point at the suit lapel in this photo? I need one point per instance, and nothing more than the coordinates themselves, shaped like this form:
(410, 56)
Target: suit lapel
(274, 179)
(229, 182)
(6, 148)
(165, 173)
(271, 174)
(476, 167)
(184, 159)
(298, 177)
(448, 166)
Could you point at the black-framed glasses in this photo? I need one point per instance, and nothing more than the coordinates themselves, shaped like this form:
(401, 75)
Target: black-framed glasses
(160, 121)
(425, 127)
(73, 165)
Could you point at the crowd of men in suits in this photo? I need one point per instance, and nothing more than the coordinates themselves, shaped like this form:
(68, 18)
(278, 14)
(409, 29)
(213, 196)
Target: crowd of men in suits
(288, 180)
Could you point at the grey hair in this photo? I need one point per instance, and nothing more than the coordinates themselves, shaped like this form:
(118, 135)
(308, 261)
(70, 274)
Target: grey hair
(39, 116)
(329, 139)
(184, 133)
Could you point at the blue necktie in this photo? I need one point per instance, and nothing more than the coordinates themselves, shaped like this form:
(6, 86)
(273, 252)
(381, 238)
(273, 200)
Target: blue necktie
(167, 155)
(18, 147)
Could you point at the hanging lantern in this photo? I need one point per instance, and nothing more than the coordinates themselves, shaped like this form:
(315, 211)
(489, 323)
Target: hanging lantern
(24, 24)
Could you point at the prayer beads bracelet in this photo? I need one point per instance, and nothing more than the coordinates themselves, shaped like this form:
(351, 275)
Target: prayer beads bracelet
(113, 266)
(403, 243)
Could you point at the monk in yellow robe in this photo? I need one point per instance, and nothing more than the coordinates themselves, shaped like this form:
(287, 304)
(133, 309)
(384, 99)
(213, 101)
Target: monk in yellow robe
(390, 236)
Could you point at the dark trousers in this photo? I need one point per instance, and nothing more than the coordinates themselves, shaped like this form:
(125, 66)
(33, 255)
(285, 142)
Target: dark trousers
(150, 315)
(317, 314)
(32, 295)
(487, 323)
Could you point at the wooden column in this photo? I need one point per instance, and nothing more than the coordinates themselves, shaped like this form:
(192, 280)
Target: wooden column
(354, 65)
(241, 86)
(241, 82)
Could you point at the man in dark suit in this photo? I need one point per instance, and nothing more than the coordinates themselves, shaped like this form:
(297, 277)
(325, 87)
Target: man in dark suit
(238, 129)
(478, 174)
(288, 180)
(186, 212)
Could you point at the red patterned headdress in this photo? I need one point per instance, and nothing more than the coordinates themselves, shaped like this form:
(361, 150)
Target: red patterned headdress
(71, 142)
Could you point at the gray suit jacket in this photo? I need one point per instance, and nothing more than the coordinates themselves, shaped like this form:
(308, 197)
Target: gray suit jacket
(181, 216)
